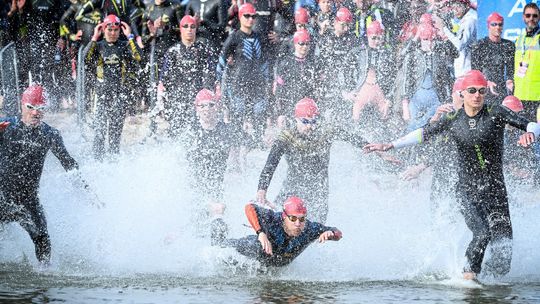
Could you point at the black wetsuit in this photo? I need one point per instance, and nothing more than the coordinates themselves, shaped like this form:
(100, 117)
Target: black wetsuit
(496, 61)
(184, 72)
(39, 21)
(248, 78)
(296, 79)
(284, 248)
(207, 154)
(22, 156)
(307, 158)
(86, 23)
(481, 191)
(170, 14)
(111, 61)
(338, 63)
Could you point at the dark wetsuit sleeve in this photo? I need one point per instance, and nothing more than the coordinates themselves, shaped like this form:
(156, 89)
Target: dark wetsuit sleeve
(222, 18)
(64, 28)
(226, 51)
(431, 130)
(91, 53)
(353, 138)
(277, 151)
(60, 151)
(509, 117)
(86, 8)
(133, 50)
(509, 61)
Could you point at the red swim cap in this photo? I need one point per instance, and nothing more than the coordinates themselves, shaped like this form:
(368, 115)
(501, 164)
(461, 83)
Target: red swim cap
(374, 28)
(426, 31)
(294, 206)
(301, 36)
(112, 21)
(246, 8)
(301, 16)
(474, 78)
(344, 15)
(458, 85)
(205, 95)
(187, 19)
(34, 95)
(494, 17)
(306, 108)
(426, 19)
(513, 103)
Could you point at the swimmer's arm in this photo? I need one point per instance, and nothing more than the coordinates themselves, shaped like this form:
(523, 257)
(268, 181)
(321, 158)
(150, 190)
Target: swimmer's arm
(276, 152)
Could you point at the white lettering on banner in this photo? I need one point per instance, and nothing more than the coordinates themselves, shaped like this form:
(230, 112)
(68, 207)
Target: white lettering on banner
(512, 34)
(518, 7)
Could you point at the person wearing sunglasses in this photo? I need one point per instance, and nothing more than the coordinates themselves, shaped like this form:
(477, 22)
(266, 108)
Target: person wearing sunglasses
(110, 58)
(527, 62)
(185, 70)
(306, 148)
(337, 54)
(478, 131)
(465, 36)
(494, 56)
(280, 236)
(248, 83)
(25, 143)
(208, 143)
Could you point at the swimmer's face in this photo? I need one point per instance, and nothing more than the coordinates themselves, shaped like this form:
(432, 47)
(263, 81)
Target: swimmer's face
(306, 126)
(111, 34)
(207, 110)
(294, 224)
(473, 96)
(32, 115)
(325, 6)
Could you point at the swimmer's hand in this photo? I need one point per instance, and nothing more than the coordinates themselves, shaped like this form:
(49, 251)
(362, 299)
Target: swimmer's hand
(526, 139)
(377, 147)
(330, 235)
(265, 243)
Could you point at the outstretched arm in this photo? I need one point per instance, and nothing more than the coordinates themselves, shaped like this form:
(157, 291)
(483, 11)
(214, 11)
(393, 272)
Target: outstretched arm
(333, 234)
(411, 139)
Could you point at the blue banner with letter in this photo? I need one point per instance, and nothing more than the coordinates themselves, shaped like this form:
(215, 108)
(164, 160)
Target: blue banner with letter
(511, 10)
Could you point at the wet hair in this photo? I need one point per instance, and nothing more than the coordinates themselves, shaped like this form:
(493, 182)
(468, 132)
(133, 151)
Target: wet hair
(531, 5)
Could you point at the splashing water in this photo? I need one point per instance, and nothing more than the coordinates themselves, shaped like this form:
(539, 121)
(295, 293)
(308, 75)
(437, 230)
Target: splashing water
(147, 228)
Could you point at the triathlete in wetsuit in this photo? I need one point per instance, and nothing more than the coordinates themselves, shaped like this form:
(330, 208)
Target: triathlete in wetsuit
(184, 72)
(494, 56)
(295, 76)
(85, 23)
(281, 236)
(160, 26)
(209, 144)
(478, 132)
(307, 151)
(111, 57)
(212, 20)
(24, 144)
(248, 78)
